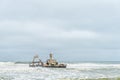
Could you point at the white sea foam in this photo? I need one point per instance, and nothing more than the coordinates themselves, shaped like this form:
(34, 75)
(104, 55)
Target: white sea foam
(89, 66)
(12, 71)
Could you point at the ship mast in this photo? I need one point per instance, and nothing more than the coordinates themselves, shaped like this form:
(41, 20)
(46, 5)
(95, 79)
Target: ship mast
(51, 56)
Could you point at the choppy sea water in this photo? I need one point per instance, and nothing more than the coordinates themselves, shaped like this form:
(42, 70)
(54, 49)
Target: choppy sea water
(74, 71)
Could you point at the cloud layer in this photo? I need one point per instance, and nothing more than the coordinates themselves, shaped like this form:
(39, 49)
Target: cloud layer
(75, 29)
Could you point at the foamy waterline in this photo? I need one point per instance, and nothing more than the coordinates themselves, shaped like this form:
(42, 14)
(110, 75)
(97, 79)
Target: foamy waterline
(74, 71)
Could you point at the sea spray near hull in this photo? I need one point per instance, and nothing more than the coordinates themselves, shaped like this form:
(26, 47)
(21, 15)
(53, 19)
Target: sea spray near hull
(74, 71)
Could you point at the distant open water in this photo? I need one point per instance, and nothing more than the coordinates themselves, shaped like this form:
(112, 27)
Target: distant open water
(74, 71)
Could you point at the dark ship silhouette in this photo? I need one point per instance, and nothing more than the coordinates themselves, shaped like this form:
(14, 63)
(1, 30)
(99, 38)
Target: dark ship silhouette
(50, 63)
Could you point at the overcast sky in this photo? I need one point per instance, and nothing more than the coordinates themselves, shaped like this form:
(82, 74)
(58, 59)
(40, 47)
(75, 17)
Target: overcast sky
(74, 30)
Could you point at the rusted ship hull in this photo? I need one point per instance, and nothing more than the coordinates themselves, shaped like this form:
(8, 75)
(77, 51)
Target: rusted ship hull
(54, 66)
(35, 66)
(47, 66)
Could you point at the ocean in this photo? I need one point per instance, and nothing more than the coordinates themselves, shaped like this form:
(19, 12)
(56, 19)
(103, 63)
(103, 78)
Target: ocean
(74, 71)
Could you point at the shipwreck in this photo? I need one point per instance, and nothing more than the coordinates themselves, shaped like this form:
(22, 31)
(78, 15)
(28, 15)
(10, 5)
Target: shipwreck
(50, 63)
